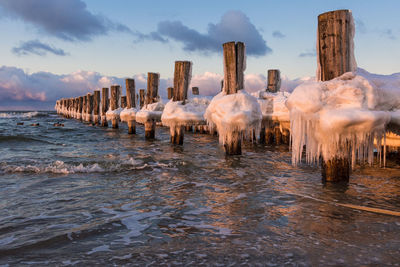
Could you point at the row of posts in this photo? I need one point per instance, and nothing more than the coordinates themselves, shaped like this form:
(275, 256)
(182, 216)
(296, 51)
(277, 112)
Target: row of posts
(334, 58)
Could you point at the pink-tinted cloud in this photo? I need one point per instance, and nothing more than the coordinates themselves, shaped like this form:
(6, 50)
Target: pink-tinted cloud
(42, 89)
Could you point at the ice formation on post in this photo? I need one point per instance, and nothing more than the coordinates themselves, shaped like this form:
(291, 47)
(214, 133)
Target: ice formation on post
(273, 108)
(113, 114)
(238, 112)
(336, 118)
(128, 114)
(150, 112)
(191, 113)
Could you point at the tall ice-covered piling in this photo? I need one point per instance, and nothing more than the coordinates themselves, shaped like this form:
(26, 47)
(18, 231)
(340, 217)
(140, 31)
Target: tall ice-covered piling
(96, 107)
(153, 80)
(114, 103)
(131, 103)
(104, 106)
(182, 75)
(234, 65)
(335, 56)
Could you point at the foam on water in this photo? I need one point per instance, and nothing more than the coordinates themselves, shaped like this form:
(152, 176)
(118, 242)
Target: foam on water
(60, 167)
(13, 115)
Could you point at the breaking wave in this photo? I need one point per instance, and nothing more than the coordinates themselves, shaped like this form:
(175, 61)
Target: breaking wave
(14, 115)
(60, 167)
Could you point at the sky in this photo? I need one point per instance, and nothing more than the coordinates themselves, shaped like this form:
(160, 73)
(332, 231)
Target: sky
(65, 48)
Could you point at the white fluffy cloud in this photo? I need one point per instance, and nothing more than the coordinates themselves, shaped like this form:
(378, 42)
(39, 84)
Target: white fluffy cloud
(19, 88)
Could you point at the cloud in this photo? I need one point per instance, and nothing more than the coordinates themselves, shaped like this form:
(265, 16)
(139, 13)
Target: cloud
(308, 53)
(37, 48)
(154, 36)
(233, 26)
(24, 91)
(278, 34)
(65, 19)
(209, 83)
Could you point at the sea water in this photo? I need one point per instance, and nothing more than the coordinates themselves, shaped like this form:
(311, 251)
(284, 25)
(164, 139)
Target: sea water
(84, 195)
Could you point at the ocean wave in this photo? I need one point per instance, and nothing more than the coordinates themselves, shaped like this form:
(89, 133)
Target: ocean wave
(60, 167)
(17, 115)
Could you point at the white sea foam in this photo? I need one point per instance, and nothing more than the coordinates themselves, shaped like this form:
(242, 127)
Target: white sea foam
(11, 115)
(60, 167)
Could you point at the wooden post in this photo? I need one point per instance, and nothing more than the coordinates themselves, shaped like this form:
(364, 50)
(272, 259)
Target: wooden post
(104, 106)
(80, 107)
(195, 90)
(170, 91)
(76, 107)
(274, 81)
(131, 102)
(114, 103)
(123, 101)
(96, 107)
(182, 74)
(153, 80)
(142, 97)
(278, 135)
(335, 56)
(84, 108)
(89, 107)
(234, 65)
(130, 93)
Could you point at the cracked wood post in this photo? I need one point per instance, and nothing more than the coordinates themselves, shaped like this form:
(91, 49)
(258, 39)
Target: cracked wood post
(89, 107)
(274, 81)
(131, 103)
(182, 73)
(234, 65)
(170, 91)
(96, 107)
(104, 106)
(141, 97)
(335, 56)
(114, 103)
(153, 80)
(80, 106)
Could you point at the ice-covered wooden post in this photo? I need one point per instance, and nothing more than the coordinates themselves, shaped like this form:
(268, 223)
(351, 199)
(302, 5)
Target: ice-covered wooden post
(114, 103)
(234, 65)
(76, 107)
(274, 81)
(141, 97)
(131, 102)
(195, 90)
(89, 107)
(104, 106)
(80, 106)
(96, 107)
(153, 80)
(170, 91)
(335, 56)
(84, 107)
(182, 75)
(123, 101)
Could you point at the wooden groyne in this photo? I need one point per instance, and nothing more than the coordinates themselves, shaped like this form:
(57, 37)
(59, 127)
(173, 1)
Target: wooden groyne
(334, 57)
